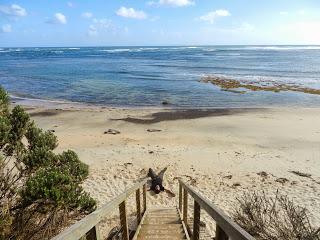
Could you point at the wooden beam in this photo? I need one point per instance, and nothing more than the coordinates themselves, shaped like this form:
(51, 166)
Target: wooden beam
(180, 197)
(232, 229)
(144, 198)
(138, 206)
(93, 234)
(123, 221)
(196, 221)
(185, 230)
(220, 234)
(80, 228)
(139, 227)
(185, 207)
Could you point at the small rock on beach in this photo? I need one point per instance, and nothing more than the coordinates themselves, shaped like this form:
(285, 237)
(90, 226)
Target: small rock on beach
(112, 131)
(154, 130)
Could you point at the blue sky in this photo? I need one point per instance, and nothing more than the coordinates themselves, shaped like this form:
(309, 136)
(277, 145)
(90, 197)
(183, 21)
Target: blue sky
(158, 22)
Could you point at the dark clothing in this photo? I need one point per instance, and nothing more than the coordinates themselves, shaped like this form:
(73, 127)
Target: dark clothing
(156, 180)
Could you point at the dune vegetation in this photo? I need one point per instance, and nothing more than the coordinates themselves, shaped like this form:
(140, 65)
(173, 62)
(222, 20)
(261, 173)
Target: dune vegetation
(40, 190)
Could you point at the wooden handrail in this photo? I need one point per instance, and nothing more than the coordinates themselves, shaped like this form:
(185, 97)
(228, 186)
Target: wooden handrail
(226, 227)
(88, 226)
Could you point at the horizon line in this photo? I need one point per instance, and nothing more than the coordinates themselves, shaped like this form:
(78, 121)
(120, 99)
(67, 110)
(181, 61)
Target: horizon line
(174, 45)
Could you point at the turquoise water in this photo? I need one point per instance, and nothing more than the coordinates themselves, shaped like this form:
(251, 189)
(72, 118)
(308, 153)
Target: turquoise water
(146, 76)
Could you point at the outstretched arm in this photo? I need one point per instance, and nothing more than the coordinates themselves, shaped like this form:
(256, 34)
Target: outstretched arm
(169, 192)
(161, 173)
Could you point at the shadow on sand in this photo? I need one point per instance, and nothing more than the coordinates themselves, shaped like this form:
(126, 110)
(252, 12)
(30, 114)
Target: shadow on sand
(185, 114)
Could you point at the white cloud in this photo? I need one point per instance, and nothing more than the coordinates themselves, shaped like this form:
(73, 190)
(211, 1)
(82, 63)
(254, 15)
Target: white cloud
(13, 10)
(92, 30)
(131, 13)
(302, 12)
(6, 28)
(174, 3)
(58, 18)
(87, 15)
(284, 13)
(99, 25)
(212, 16)
(104, 23)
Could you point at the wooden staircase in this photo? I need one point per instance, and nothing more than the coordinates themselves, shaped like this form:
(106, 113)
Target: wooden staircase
(162, 224)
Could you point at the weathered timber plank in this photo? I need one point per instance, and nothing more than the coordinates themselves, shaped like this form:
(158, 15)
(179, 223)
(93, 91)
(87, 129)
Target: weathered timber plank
(80, 228)
(220, 234)
(232, 229)
(185, 207)
(138, 206)
(196, 221)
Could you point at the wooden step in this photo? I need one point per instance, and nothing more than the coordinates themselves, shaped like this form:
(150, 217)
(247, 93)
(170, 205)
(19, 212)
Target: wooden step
(162, 224)
(160, 231)
(157, 210)
(162, 221)
(163, 215)
(173, 227)
(168, 236)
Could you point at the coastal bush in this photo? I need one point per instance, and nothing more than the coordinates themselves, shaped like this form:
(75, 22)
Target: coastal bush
(40, 191)
(271, 218)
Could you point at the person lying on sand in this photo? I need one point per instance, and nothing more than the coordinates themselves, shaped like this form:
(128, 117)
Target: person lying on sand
(156, 182)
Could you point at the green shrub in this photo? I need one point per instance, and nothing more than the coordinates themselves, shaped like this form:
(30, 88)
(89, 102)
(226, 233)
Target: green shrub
(40, 190)
(57, 188)
(69, 161)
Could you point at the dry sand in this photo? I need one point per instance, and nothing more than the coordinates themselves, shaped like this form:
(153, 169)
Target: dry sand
(220, 152)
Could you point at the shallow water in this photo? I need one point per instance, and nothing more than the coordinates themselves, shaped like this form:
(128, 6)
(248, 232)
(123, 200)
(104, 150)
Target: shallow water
(145, 76)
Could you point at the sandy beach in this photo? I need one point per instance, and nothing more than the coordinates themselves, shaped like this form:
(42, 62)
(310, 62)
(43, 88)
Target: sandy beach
(223, 95)
(220, 152)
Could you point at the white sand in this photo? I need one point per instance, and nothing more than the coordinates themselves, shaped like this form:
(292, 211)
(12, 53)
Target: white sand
(205, 149)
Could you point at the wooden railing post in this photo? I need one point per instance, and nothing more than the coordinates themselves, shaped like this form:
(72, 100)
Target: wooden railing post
(123, 221)
(144, 198)
(196, 221)
(226, 228)
(180, 197)
(220, 234)
(185, 207)
(93, 234)
(88, 227)
(138, 206)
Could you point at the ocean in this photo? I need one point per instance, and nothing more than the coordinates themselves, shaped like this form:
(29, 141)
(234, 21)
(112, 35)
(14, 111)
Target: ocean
(147, 76)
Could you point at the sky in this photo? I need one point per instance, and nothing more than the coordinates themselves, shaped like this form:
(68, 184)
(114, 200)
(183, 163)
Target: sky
(59, 23)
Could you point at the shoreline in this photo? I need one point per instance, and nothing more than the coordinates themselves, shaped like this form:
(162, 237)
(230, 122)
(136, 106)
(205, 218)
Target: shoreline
(69, 105)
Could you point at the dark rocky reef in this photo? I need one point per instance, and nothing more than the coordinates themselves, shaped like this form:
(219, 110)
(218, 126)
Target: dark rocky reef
(232, 85)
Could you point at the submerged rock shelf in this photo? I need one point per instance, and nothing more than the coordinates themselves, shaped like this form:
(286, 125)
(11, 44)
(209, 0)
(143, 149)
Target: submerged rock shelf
(236, 86)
